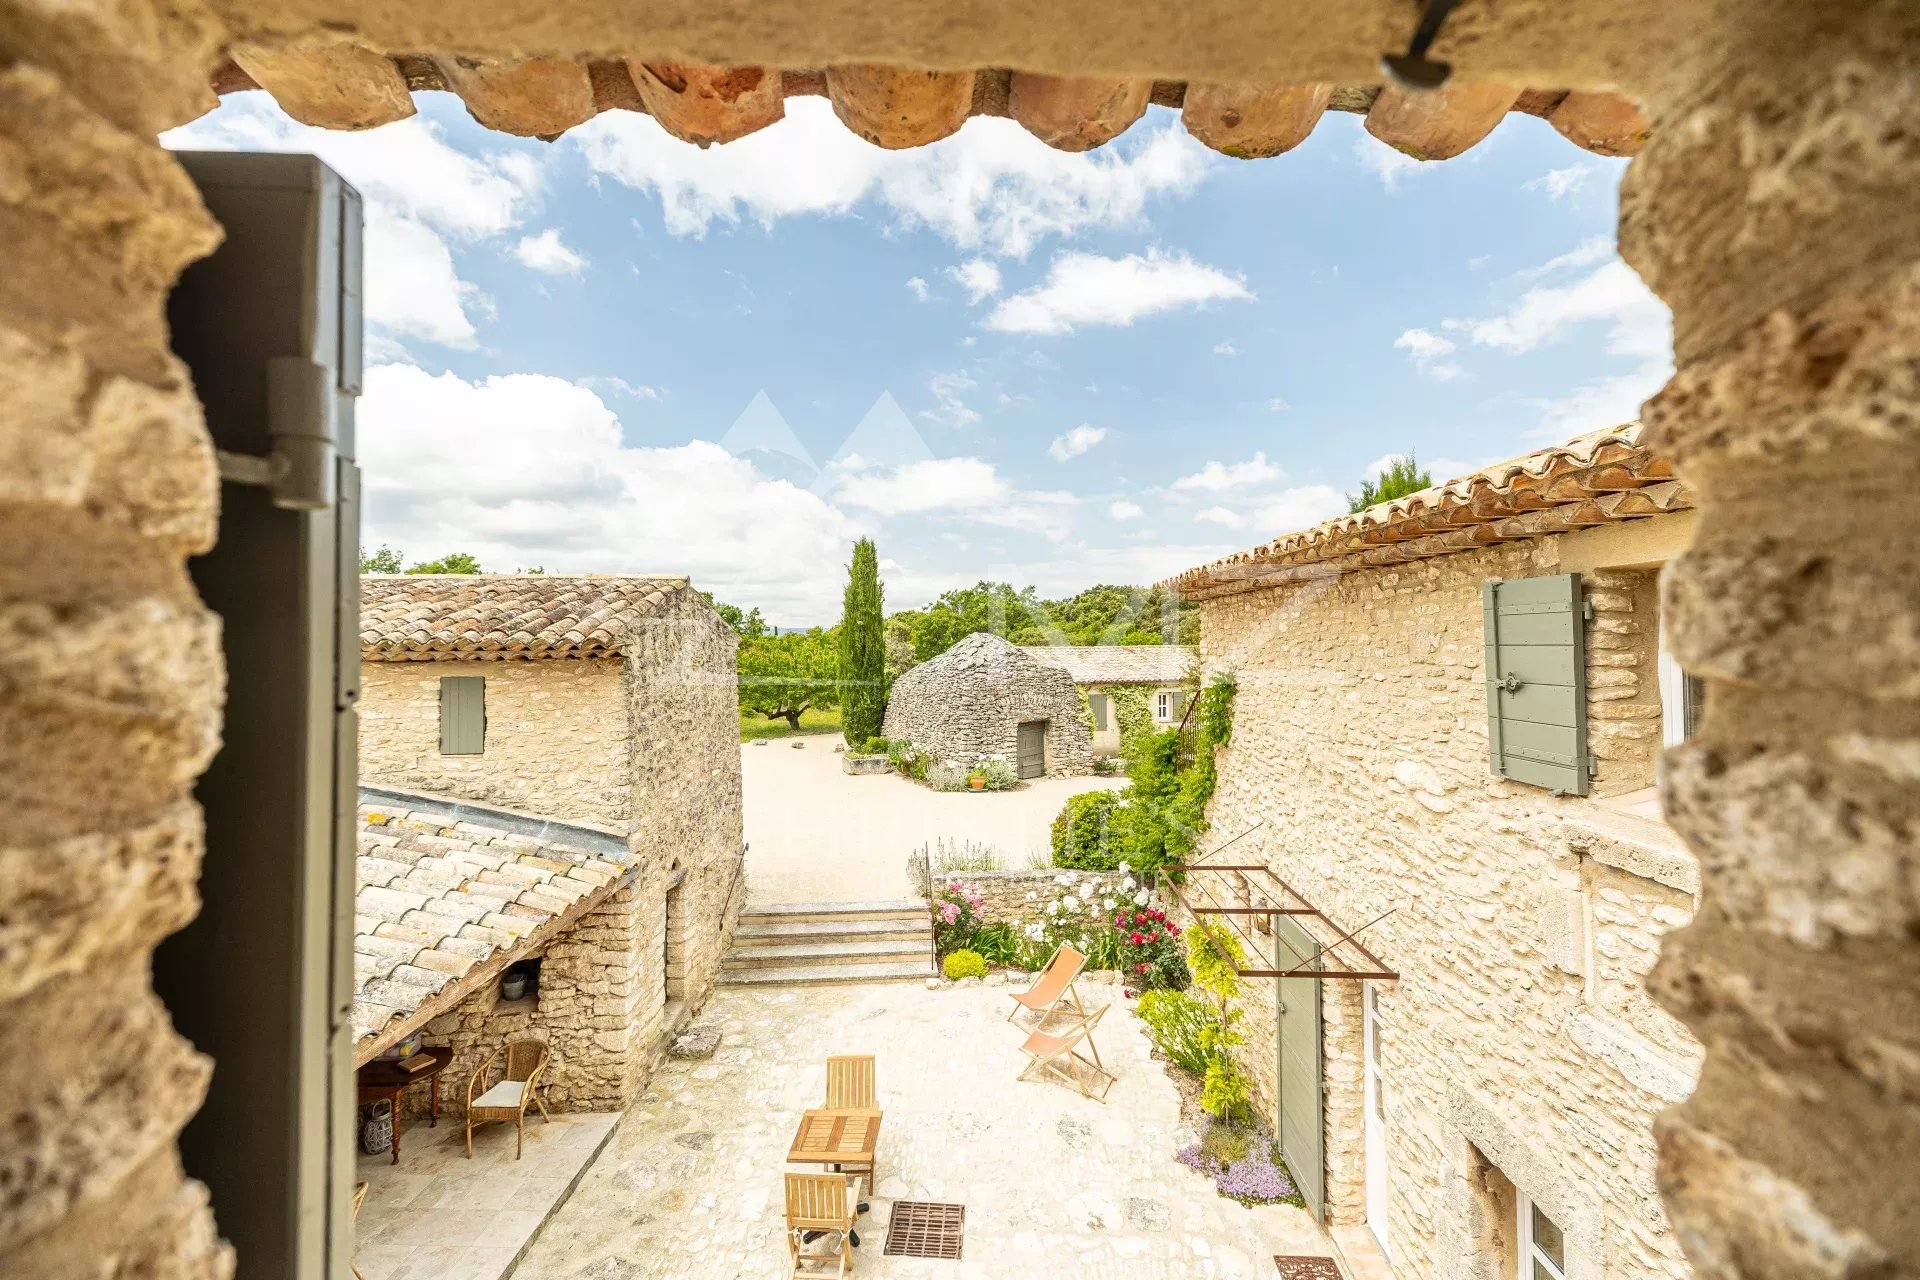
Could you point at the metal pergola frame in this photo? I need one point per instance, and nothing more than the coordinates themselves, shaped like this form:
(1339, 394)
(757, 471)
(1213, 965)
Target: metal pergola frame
(1284, 900)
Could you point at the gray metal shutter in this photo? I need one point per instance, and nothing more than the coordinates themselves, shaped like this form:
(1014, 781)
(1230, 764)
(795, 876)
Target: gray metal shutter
(1536, 682)
(463, 715)
(1097, 704)
(1297, 1043)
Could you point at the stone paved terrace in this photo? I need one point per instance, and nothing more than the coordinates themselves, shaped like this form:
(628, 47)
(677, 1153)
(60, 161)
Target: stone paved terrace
(1054, 1184)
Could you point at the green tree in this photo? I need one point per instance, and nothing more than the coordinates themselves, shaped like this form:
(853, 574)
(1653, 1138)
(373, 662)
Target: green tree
(383, 559)
(782, 676)
(863, 647)
(1397, 479)
(1104, 614)
(747, 622)
(452, 562)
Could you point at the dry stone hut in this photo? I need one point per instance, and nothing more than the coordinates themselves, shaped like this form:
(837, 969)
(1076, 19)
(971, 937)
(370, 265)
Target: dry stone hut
(1500, 1094)
(550, 773)
(987, 697)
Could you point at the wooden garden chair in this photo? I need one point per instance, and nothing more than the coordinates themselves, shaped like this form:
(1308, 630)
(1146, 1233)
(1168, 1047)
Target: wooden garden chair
(1058, 1054)
(850, 1083)
(822, 1204)
(1054, 985)
(507, 1099)
(359, 1198)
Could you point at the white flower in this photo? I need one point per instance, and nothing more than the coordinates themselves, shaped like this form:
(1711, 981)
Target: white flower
(1108, 903)
(1032, 894)
(1053, 908)
(1142, 899)
(1034, 931)
(1127, 884)
(1063, 878)
(1124, 868)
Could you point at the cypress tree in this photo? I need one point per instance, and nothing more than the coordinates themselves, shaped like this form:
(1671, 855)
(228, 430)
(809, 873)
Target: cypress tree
(863, 648)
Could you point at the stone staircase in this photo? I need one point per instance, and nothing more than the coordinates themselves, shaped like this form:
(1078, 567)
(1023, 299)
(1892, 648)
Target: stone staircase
(799, 944)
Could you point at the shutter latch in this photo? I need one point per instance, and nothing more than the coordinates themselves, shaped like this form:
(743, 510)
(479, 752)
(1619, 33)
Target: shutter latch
(302, 426)
(1511, 683)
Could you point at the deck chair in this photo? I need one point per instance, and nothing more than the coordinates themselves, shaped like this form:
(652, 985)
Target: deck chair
(507, 1099)
(1059, 1054)
(821, 1205)
(359, 1198)
(1054, 985)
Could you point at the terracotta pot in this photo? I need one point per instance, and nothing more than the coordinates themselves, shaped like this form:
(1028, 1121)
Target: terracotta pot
(978, 784)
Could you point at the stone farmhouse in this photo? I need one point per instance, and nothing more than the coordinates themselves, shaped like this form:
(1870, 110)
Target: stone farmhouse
(177, 679)
(1125, 688)
(550, 782)
(984, 697)
(1449, 711)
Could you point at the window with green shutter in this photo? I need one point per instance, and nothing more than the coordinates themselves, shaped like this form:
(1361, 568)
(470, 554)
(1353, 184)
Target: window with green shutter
(1536, 682)
(463, 715)
(1097, 705)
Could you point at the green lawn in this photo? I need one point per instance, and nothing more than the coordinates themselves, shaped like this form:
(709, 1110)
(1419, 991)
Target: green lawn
(754, 727)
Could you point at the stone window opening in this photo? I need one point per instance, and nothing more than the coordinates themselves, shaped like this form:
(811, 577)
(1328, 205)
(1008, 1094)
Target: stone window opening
(1543, 1247)
(520, 984)
(673, 944)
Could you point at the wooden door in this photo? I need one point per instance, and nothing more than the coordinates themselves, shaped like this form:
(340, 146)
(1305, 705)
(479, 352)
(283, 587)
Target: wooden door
(1032, 754)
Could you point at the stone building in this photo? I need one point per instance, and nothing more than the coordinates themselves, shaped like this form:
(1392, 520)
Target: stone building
(1769, 205)
(986, 697)
(550, 780)
(1125, 688)
(1509, 833)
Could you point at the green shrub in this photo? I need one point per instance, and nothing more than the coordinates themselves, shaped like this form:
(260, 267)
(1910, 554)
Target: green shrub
(1215, 973)
(945, 775)
(1223, 1090)
(1177, 1023)
(875, 747)
(964, 964)
(999, 773)
(1084, 832)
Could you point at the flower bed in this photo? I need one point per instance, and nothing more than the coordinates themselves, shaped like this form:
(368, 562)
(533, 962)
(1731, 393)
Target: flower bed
(1114, 924)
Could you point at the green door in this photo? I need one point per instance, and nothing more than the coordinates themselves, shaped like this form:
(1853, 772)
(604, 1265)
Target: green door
(1301, 1131)
(1032, 754)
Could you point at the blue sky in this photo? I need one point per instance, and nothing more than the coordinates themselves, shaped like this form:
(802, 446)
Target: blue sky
(619, 352)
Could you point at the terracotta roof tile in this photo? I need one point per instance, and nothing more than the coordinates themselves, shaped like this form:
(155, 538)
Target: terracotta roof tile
(431, 908)
(1598, 478)
(418, 617)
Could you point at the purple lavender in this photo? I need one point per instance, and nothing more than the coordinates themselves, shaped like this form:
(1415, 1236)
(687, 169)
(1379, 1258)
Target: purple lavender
(1258, 1179)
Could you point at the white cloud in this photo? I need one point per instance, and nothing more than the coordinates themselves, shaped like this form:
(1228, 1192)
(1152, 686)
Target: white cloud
(1076, 442)
(632, 390)
(1382, 463)
(979, 277)
(1383, 162)
(934, 485)
(1428, 350)
(1559, 183)
(1299, 508)
(1638, 323)
(992, 186)
(452, 465)
(421, 193)
(950, 409)
(1217, 476)
(545, 252)
(1277, 405)
(1599, 403)
(1589, 251)
(1225, 349)
(1221, 516)
(1124, 510)
(1086, 289)
(918, 288)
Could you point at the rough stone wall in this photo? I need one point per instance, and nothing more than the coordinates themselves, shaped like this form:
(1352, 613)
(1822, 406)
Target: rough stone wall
(1003, 894)
(1623, 677)
(969, 702)
(1360, 740)
(556, 743)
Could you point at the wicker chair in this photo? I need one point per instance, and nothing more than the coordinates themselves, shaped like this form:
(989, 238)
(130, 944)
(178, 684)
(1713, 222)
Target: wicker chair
(507, 1098)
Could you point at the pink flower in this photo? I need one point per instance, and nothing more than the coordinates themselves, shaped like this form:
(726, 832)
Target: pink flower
(949, 912)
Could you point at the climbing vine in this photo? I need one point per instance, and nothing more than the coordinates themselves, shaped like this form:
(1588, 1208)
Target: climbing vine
(1131, 706)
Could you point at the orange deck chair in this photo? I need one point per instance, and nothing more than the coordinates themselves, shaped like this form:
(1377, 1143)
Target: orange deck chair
(1059, 1055)
(1054, 985)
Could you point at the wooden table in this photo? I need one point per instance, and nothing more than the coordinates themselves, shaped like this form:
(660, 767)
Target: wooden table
(385, 1080)
(837, 1136)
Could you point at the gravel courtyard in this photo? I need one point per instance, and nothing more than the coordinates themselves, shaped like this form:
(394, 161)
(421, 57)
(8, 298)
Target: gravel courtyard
(1053, 1184)
(815, 834)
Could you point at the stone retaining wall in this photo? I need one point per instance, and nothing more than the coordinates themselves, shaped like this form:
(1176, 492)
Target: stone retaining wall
(1004, 893)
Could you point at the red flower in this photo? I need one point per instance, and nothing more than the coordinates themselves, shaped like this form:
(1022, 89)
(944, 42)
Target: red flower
(1140, 968)
(1134, 938)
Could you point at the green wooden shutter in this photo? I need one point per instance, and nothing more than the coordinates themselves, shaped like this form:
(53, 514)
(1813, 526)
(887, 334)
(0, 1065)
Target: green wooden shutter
(1536, 682)
(463, 715)
(1097, 704)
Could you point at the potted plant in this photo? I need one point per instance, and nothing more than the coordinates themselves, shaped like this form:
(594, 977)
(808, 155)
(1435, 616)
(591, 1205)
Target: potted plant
(977, 780)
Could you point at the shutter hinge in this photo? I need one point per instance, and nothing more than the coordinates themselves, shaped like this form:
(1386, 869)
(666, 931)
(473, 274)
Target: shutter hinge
(1586, 610)
(1593, 767)
(298, 471)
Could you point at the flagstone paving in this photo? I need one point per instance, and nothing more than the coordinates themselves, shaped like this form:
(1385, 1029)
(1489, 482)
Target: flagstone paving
(1054, 1184)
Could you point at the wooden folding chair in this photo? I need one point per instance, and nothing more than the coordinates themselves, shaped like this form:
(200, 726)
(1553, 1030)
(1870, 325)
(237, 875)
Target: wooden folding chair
(822, 1204)
(1054, 985)
(359, 1198)
(1059, 1054)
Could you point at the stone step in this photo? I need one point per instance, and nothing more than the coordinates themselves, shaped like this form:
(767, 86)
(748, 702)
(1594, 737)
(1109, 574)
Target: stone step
(775, 933)
(810, 975)
(790, 954)
(789, 912)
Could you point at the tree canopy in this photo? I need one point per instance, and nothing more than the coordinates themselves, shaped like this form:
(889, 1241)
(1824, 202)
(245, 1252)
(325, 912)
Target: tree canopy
(1402, 476)
(385, 559)
(784, 675)
(747, 622)
(863, 654)
(1104, 614)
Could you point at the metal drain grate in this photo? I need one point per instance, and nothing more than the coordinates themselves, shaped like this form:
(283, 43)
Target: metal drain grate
(922, 1229)
(1305, 1266)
